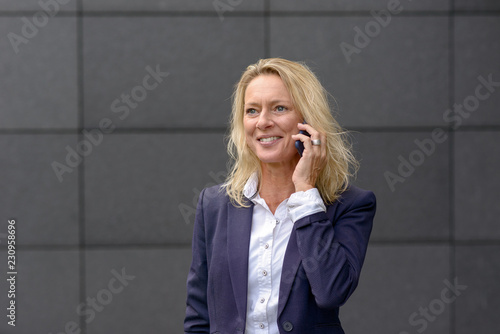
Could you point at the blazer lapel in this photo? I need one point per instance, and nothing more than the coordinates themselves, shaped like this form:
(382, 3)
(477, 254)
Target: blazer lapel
(291, 263)
(239, 224)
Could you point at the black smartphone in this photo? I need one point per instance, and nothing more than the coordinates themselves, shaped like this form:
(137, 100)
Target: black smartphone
(300, 145)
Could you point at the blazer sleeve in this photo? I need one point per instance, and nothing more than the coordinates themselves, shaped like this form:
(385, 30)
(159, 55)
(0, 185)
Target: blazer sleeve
(333, 250)
(197, 318)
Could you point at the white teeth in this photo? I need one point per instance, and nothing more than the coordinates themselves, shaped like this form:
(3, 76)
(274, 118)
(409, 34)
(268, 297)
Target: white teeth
(265, 140)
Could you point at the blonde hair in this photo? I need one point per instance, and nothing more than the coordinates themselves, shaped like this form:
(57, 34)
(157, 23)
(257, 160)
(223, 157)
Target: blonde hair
(310, 99)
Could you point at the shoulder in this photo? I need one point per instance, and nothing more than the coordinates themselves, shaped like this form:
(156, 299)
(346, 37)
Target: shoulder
(214, 195)
(211, 203)
(353, 193)
(354, 197)
(217, 190)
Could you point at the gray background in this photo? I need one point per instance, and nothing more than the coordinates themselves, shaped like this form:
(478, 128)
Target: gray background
(121, 208)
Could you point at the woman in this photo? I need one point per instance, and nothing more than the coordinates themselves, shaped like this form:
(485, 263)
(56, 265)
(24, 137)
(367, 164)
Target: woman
(279, 247)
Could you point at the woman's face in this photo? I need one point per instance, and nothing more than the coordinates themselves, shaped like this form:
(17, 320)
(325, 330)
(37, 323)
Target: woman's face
(270, 120)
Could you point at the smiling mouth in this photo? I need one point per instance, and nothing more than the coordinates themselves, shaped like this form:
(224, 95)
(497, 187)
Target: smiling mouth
(268, 139)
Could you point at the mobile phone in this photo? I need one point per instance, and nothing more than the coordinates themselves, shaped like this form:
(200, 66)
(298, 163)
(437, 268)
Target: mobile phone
(300, 145)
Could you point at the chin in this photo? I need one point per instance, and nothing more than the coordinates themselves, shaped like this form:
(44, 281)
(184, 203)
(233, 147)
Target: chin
(275, 158)
(269, 158)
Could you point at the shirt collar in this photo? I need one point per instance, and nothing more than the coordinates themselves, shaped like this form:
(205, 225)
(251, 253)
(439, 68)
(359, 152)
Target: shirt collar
(251, 187)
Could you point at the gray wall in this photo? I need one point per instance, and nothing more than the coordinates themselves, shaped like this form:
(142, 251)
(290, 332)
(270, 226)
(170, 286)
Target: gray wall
(127, 206)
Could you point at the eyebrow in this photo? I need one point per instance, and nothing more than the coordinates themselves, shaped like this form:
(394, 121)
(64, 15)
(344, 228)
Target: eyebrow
(280, 101)
(272, 102)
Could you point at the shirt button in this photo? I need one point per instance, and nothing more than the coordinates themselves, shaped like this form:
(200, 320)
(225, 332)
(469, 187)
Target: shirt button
(262, 300)
(261, 325)
(264, 272)
(266, 246)
(277, 221)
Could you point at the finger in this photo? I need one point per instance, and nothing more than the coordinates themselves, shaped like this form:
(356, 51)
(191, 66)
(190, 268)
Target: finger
(299, 136)
(314, 134)
(314, 151)
(307, 143)
(312, 131)
(317, 142)
(320, 148)
(317, 152)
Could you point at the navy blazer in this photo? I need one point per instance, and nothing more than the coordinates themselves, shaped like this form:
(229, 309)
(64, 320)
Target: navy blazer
(321, 266)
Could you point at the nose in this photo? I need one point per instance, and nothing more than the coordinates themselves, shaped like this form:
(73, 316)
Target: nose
(265, 120)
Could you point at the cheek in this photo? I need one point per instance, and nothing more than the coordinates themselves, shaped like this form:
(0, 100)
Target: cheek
(291, 127)
(248, 132)
(248, 128)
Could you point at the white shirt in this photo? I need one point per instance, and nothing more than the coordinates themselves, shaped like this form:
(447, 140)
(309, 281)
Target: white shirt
(268, 241)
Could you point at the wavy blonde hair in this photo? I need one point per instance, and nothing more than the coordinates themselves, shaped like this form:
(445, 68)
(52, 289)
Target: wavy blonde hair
(310, 99)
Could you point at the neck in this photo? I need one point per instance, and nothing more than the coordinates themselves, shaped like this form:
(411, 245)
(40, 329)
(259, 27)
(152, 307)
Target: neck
(276, 183)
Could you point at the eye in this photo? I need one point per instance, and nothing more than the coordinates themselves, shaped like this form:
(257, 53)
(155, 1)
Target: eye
(281, 108)
(251, 111)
